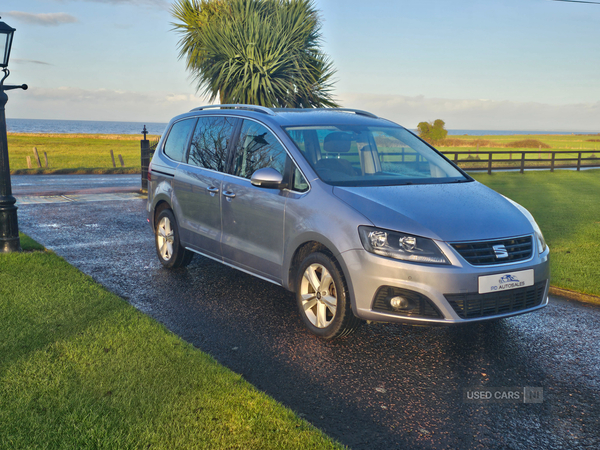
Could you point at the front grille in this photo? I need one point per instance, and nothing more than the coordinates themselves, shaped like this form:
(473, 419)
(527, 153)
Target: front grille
(482, 253)
(469, 306)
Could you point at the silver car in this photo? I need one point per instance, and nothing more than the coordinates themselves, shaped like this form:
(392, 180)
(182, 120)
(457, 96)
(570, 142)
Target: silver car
(355, 214)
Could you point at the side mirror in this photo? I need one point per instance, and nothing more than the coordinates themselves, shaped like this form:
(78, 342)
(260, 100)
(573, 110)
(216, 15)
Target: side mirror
(267, 178)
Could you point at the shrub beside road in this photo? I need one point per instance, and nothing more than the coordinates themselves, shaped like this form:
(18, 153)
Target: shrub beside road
(81, 368)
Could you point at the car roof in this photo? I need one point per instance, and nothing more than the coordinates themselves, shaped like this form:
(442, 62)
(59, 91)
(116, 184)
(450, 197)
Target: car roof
(294, 116)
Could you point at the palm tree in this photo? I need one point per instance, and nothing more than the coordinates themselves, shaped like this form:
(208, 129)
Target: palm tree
(263, 52)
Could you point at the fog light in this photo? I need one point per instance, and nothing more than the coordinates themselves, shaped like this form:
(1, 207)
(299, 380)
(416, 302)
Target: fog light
(401, 303)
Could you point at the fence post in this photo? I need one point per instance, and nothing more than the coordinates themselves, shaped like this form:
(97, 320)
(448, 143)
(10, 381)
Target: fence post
(578, 161)
(456, 158)
(522, 162)
(37, 157)
(112, 156)
(552, 163)
(490, 163)
(145, 156)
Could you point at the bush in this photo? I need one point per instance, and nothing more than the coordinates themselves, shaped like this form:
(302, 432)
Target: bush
(527, 143)
(433, 132)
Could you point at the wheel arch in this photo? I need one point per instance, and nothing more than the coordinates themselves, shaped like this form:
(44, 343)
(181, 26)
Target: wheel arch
(160, 205)
(312, 244)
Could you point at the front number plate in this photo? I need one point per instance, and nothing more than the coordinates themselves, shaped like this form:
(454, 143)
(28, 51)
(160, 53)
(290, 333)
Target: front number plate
(505, 281)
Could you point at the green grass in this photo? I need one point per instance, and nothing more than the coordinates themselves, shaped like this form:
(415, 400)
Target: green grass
(566, 205)
(74, 153)
(81, 368)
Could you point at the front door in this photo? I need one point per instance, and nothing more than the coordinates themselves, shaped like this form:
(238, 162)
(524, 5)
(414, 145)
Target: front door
(253, 217)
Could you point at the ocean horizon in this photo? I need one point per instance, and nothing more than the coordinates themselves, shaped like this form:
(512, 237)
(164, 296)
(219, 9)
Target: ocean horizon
(157, 128)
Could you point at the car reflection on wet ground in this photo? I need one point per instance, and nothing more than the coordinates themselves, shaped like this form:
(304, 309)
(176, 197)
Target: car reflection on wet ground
(387, 386)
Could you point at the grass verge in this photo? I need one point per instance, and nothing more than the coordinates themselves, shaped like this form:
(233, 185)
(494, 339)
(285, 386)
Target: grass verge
(565, 205)
(81, 368)
(74, 153)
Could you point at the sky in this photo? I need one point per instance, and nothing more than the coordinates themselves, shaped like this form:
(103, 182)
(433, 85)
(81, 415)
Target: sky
(476, 64)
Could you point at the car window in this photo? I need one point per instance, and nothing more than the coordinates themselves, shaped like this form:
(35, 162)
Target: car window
(300, 184)
(176, 145)
(349, 155)
(257, 148)
(210, 142)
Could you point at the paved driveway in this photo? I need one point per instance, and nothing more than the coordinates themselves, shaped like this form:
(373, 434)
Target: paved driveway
(386, 386)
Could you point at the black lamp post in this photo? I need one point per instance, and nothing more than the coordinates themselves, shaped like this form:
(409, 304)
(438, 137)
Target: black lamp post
(9, 226)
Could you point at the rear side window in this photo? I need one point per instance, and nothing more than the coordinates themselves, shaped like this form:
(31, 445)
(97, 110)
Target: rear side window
(256, 149)
(210, 141)
(176, 145)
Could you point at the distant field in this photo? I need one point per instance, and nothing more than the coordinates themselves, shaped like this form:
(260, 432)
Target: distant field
(74, 153)
(555, 141)
(547, 142)
(90, 153)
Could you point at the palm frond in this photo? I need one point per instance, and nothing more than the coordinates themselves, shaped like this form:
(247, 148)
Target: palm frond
(264, 52)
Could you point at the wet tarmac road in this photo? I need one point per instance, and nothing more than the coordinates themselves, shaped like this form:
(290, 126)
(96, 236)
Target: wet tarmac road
(386, 386)
(66, 184)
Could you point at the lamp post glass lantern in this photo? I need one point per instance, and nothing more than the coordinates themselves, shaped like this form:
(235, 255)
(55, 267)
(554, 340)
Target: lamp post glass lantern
(9, 227)
(6, 36)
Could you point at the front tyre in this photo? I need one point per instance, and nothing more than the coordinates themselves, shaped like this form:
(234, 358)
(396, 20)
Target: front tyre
(322, 297)
(166, 237)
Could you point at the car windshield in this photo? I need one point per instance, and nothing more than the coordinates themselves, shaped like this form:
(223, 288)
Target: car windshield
(350, 155)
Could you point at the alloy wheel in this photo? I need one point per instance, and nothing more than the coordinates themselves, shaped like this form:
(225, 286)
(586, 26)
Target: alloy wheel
(319, 295)
(165, 238)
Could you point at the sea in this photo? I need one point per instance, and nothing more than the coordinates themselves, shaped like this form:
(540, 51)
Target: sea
(156, 128)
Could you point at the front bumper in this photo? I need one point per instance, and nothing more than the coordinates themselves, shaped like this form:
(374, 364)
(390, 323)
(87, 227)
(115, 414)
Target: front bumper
(452, 289)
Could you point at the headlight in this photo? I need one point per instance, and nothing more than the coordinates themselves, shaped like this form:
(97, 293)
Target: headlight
(539, 237)
(401, 246)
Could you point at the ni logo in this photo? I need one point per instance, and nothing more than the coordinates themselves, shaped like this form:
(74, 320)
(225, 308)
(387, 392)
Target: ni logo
(508, 278)
(500, 251)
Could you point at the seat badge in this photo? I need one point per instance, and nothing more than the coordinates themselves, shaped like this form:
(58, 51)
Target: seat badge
(500, 251)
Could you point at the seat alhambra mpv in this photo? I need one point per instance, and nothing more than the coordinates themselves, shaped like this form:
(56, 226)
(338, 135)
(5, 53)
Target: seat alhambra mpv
(355, 214)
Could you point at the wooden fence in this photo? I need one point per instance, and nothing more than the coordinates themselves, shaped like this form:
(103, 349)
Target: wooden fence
(480, 160)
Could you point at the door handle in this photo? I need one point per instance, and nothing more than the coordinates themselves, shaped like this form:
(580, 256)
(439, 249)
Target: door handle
(229, 195)
(212, 191)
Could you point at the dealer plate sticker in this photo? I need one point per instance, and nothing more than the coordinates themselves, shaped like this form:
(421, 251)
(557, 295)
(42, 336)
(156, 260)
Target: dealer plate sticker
(505, 281)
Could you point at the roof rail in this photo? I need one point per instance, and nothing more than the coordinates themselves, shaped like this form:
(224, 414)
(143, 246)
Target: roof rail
(256, 108)
(359, 112)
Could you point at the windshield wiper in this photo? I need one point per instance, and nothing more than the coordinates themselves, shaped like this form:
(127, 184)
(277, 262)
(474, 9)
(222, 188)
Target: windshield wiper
(458, 181)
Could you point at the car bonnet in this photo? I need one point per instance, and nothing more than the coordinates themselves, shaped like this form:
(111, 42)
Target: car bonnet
(449, 212)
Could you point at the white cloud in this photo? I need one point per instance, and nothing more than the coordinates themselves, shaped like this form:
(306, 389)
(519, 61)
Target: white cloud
(45, 19)
(163, 4)
(29, 61)
(70, 103)
(104, 104)
(469, 114)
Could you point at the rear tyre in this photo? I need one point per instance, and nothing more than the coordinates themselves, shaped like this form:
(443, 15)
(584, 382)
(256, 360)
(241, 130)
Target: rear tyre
(166, 237)
(322, 297)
